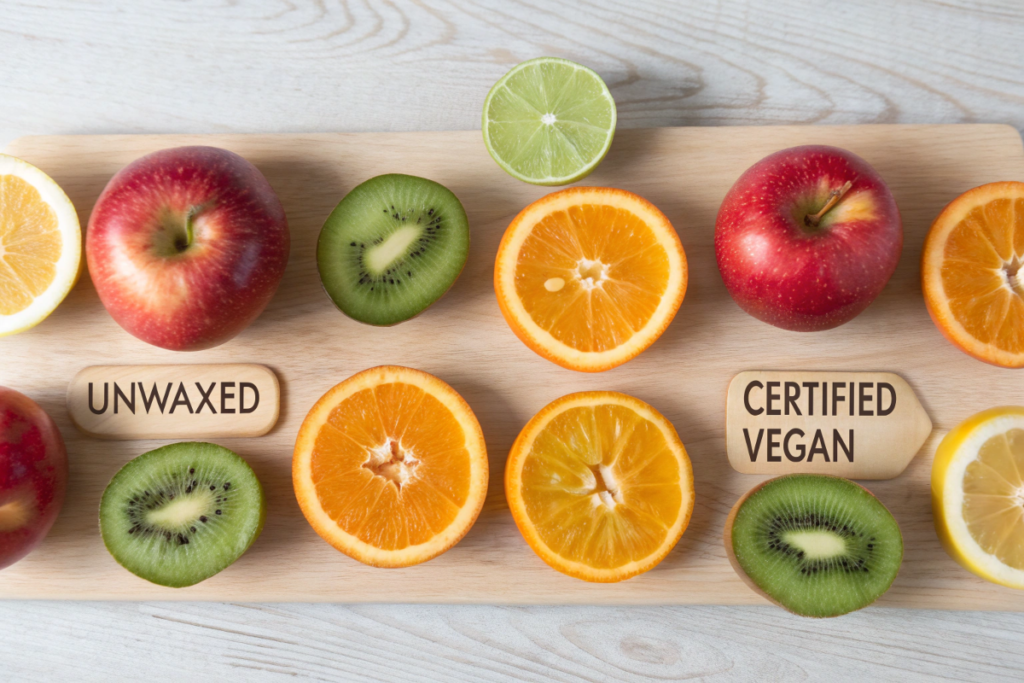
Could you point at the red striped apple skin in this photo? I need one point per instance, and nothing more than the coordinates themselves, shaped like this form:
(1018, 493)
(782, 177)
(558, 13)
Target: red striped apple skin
(186, 246)
(33, 475)
(790, 273)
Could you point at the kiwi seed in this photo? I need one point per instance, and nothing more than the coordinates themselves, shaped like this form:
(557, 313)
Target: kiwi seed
(817, 545)
(392, 247)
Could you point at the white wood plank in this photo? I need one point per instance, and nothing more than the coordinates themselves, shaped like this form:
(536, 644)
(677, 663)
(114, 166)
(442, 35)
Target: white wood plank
(212, 66)
(187, 641)
(278, 66)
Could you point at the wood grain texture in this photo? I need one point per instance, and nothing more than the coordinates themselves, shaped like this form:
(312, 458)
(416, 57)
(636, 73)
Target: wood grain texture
(361, 65)
(208, 66)
(464, 340)
(202, 642)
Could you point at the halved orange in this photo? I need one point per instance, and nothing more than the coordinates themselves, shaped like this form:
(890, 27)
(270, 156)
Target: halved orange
(390, 467)
(589, 277)
(971, 273)
(600, 486)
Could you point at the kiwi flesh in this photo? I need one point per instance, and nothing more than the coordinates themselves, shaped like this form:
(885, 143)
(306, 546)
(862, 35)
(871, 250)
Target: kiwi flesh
(392, 247)
(817, 545)
(181, 513)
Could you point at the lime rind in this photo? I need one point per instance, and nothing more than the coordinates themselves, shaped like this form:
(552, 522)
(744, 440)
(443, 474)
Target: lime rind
(549, 121)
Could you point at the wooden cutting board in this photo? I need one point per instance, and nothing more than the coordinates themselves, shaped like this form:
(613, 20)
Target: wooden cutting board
(464, 340)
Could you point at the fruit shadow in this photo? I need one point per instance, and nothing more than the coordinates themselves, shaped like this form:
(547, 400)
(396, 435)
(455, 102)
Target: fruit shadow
(909, 498)
(714, 481)
(284, 396)
(285, 527)
(630, 153)
(309, 190)
(500, 425)
(273, 467)
(698, 326)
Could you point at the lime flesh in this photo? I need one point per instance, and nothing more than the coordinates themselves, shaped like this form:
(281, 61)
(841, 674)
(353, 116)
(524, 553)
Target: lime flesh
(549, 121)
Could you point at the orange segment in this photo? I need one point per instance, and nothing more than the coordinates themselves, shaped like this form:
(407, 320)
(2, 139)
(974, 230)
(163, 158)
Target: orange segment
(971, 273)
(589, 277)
(390, 467)
(600, 486)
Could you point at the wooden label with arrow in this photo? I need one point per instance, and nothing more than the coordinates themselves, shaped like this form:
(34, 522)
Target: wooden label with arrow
(174, 401)
(859, 425)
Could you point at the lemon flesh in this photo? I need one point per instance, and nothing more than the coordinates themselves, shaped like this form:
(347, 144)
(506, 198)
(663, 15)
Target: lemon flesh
(978, 495)
(40, 245)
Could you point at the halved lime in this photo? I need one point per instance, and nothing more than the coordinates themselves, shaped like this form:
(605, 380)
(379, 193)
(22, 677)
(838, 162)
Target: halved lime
(549, 121)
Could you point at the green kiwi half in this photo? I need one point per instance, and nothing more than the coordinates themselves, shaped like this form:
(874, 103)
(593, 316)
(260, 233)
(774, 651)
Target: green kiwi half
(392, 247)
(181, 513)
(820, 546)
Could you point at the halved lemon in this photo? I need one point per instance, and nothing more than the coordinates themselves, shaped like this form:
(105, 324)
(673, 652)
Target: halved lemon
(40, 245)
(978, 495)
(589, 277)
(390, 467)
(971, 273)
(600, 486)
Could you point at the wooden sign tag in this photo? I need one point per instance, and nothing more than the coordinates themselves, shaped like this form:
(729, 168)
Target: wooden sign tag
(859, 425)
(174, 401)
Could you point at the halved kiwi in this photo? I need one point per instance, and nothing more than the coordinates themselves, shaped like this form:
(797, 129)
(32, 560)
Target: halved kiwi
(818, 545)
(181, 513)
(392, 247)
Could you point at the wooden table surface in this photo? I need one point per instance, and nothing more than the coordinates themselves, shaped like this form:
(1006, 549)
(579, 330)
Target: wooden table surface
(205, 66)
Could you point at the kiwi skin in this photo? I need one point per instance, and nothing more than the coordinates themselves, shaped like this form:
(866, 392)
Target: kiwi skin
(397, 322)
(731, 554)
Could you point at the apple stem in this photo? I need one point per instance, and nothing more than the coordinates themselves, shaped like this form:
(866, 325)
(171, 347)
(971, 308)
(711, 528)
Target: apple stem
(184, 244)
(833, 199)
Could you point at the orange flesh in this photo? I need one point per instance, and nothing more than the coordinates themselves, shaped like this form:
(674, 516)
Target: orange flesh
(30, 244)
(993, 505)
(980, 276)
(613, 268)
(390, 466)
(601, 487)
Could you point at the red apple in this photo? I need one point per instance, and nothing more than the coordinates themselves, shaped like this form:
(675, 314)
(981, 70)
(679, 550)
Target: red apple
(808, 237)
(186, 246)
(33, 475)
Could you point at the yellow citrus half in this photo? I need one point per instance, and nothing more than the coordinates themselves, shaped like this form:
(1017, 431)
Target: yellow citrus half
(390, 467)
(600, 486)
(40, 245)
(589, 277)
(978, 495)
